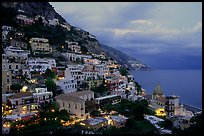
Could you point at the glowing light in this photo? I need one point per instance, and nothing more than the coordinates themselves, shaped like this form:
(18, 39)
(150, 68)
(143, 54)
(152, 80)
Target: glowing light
(24, 89)
(160, 112)
(82, 124)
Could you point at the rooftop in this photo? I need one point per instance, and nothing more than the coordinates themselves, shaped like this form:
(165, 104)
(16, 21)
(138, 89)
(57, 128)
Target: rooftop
(95, 121)
(68, 97)
(21, 94)
(109, 96)
(81, 93)
(118, 118)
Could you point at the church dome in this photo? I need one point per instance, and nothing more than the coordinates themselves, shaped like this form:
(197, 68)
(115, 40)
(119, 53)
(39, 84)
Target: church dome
(157, 90)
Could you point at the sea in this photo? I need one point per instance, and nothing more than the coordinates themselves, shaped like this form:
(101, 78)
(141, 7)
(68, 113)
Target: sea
(185, 83)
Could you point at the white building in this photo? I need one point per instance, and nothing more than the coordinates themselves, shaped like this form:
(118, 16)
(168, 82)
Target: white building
(74, 56)
(42, 95)
(15, 52)
(74, 71)
(39, 64)
(40, 45)
(68, 85)
(13, 66)
(5, 31)
(66, 25)
(53, 22)
(90, 74)
(102, 69)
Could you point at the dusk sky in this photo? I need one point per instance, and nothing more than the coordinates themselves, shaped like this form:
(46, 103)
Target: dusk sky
(160, 34)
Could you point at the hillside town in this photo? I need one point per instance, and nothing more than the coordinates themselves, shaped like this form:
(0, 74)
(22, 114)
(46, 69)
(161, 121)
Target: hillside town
(77, 91)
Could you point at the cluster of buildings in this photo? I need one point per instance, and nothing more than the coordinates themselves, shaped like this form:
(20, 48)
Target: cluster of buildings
(21, 67)
(23, 86)
(170, 107)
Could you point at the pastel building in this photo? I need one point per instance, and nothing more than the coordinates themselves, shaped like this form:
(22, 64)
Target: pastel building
(68, 85)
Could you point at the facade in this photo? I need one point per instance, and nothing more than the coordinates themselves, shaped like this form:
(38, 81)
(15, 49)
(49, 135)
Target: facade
(18, 43)
(76, 102)
(74, 56)
(106, 100)
(39, 64)
(13, 66)
(24, 19)
(73, 46)
(68, 85)
(40, 45)
(41, 95)
(173, 108)
(53, 22)
(118, 121)
(74, 105)
(6, 81)
(5, 31)
(21, 102)
(16, 54)
(74, 71)
(102, 69)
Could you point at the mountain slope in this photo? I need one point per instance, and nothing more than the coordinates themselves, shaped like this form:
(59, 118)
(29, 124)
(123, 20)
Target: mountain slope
(123, 58)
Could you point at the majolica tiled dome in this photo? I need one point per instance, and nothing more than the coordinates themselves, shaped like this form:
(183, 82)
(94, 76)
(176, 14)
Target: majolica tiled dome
(157, 90)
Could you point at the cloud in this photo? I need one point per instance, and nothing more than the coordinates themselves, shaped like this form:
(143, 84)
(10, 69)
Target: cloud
(141, 21)
(145, 29)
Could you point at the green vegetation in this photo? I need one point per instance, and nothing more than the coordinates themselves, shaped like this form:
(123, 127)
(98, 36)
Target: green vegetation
(16, 87)
(123, 71)
(95, 113)
(51, 86)
(50, 74)
(101, 89)
(56, 35)
(128, 108)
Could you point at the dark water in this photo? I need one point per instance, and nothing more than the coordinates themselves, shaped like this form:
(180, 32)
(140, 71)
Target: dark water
(185, 83)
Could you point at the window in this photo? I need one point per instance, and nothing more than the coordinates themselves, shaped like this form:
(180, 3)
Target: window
(75, 106)
(16, 66)
(63, 104)
(7, 80)
(9, 66)
(69, 105)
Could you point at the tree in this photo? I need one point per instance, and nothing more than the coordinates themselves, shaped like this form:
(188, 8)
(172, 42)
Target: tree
(123, 71)
(84, 50)
(84, 85)
(49, 73)
(16, 87)
(95, 113)
(51, 86)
